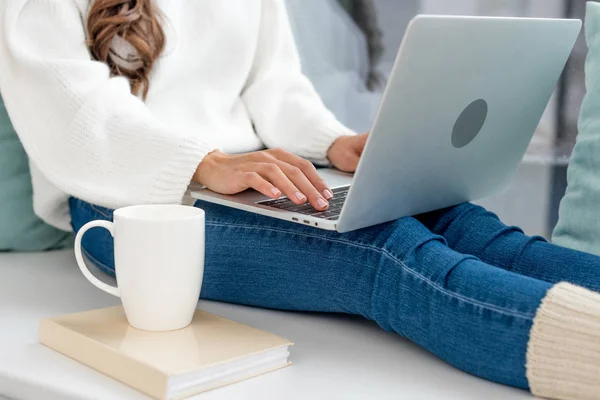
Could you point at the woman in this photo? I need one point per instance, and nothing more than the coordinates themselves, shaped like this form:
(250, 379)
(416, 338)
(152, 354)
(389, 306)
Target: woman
(122, 102)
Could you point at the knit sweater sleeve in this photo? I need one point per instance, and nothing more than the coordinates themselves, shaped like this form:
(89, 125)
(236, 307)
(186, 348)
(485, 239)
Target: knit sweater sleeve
(286, 109)
(81, 127)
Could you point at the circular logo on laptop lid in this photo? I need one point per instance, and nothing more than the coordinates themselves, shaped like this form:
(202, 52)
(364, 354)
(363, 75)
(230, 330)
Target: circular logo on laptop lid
(469, 123)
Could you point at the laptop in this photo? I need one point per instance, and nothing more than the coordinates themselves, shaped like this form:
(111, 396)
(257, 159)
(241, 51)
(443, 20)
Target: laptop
(461, 105)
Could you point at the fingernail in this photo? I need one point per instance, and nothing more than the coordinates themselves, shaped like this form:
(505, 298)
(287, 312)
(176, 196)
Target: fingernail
(322, 203)
(300, 196)
(275, 192)
(328, 194)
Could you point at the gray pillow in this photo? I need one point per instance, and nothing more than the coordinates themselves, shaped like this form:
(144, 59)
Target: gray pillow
(335, 57)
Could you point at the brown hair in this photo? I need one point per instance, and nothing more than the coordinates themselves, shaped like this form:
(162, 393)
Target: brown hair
(138, 23)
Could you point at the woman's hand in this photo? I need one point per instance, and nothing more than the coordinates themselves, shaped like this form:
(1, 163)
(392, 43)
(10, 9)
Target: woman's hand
(271, 172)
(345, 152)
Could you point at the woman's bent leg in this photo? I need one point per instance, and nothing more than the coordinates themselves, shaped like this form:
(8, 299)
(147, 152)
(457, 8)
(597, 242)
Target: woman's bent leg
(475, 316)
(470, 229)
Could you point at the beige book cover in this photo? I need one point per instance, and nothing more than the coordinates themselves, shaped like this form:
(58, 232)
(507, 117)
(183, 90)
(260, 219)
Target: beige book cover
(211, 352)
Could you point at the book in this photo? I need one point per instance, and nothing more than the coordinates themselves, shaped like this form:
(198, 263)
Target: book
(211, 352)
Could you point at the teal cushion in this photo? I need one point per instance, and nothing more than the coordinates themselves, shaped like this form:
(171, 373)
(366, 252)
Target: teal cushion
(20, 228)
(579, 217)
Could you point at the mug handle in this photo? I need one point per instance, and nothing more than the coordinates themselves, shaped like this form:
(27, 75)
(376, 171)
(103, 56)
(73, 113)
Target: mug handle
(79, 257)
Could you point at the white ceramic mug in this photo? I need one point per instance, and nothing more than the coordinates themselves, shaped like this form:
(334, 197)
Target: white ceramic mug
(159, 263)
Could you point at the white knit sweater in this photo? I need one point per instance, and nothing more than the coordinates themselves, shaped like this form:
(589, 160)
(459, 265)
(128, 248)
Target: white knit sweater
(228, 79)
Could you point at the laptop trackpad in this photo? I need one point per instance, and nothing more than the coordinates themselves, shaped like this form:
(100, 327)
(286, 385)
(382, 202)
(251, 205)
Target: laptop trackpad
(335, 178)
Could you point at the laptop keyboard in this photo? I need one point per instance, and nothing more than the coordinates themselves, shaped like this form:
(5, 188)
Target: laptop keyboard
(332, 213)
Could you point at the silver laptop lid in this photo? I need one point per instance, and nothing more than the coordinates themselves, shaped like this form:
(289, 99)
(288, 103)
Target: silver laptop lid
(463, 101)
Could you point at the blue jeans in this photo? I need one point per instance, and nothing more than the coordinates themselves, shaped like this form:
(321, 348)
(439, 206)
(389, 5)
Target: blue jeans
(457, 281)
